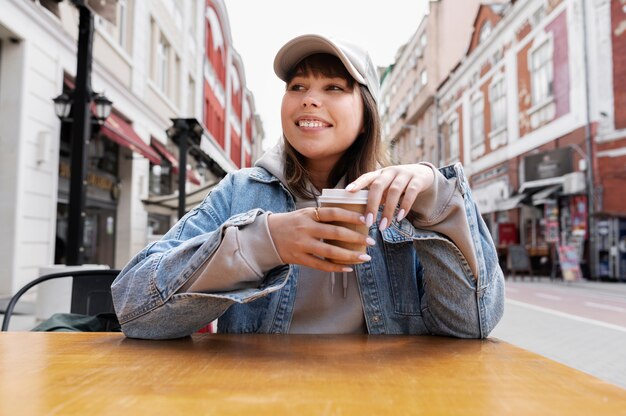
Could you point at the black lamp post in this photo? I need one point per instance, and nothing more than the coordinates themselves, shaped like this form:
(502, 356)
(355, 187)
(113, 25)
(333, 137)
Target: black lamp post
(186, 133)
(80, 104)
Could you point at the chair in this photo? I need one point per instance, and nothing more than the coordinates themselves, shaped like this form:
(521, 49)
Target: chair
(91, 292)
(518, 260)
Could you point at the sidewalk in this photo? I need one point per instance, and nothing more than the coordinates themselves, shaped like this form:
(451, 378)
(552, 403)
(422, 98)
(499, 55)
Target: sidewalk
(612, 286)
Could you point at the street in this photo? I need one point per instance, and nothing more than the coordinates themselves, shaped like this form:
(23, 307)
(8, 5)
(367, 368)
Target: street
(580, 324)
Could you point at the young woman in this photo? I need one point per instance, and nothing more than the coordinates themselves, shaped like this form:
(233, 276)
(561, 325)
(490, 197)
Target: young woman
(254, 255)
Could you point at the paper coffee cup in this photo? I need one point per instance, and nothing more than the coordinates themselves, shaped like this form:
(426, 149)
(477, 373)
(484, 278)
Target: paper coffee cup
(353, 201)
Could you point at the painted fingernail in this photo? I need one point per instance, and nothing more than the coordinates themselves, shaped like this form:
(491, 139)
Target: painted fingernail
(369, 220)
(370, 241)
(401, 214)
(347, 269)
(362, 219)
(365, 257)
(383, 224)
(350, 187)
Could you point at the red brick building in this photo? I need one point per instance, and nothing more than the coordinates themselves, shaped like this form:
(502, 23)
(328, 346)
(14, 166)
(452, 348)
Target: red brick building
(536, 111)
(228, 105)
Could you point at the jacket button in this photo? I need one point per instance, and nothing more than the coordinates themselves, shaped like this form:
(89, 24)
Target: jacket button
(376, 318)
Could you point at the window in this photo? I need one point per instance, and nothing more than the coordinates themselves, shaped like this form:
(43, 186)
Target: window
(541, 73)
(453, 131)
(122, 18)
(175, 93)
(424, 77)
(478, 128)
(191, 96)
(162, 63)
(485, 31)
(497, 98)
(423, 40)
(160, 179)
(118, 32)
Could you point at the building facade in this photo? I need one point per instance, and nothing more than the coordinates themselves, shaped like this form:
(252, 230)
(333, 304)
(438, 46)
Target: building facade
(534, 111)
(409, 86)
(155, 62)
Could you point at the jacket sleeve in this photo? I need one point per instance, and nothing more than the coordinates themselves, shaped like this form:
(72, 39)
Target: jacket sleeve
(151, 295)
(463, 285)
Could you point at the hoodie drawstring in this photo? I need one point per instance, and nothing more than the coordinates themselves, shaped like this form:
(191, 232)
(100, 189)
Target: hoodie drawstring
(344, 283)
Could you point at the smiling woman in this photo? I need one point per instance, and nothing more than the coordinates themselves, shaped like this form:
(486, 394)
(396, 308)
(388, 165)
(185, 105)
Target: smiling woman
(261, 253)
(395, 23)
(322, 117)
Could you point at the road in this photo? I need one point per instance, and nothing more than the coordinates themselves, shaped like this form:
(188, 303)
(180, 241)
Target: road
(580, 324)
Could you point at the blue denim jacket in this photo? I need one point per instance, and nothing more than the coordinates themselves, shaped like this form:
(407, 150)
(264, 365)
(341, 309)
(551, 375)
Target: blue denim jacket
(418, 281)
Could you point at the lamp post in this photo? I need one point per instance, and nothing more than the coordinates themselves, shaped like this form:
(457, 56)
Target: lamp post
(186, 133)
(80, 104)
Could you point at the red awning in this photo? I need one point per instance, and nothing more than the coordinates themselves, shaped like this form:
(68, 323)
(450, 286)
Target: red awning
(160, 147)
(122, 133)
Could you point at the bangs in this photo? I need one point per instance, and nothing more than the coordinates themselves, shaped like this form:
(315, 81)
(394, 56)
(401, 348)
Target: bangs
(321, 65)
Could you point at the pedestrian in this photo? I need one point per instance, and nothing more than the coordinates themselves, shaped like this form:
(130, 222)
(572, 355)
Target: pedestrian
(256, 253)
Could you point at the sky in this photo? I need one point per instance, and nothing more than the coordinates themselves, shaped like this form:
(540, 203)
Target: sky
(260, 28)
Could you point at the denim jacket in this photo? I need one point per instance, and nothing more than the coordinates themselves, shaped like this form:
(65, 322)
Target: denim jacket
(417, 282)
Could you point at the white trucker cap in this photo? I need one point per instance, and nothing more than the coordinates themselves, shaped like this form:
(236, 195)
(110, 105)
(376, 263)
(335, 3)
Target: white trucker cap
(356, 60)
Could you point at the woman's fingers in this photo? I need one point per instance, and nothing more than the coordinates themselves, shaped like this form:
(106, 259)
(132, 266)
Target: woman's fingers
(410, 195)
(390, 187)
(300, 238)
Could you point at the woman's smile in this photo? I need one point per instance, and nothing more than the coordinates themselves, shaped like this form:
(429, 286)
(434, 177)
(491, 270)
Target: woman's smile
(321, 117)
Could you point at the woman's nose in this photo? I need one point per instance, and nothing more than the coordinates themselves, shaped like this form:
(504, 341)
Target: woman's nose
(310, 100)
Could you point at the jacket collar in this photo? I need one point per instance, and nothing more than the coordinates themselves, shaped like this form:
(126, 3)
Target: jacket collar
(260, 174)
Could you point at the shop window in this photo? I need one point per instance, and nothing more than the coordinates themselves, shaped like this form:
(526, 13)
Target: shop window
(160, 179)
(158, 224)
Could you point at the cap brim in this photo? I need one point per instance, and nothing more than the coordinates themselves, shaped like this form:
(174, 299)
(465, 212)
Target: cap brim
(299, 48)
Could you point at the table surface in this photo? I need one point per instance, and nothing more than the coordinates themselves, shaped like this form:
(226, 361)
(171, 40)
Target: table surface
(105, 373)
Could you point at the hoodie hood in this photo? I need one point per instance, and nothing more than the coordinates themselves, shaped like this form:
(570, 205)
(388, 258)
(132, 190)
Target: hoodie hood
(273, 161)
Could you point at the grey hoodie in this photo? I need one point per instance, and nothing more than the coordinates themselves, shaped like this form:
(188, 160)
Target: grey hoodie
(246, 254)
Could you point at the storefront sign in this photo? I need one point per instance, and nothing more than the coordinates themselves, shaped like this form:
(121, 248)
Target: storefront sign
(487, 196)
(551, 217)
(568, 260)
(554, 163)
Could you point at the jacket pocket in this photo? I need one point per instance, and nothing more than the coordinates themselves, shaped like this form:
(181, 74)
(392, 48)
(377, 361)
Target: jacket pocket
(401, 272)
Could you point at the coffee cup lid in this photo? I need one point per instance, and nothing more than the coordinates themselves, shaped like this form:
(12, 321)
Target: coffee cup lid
(341, 196)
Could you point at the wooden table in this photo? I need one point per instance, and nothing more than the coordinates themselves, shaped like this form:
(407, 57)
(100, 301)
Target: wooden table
(90, 374)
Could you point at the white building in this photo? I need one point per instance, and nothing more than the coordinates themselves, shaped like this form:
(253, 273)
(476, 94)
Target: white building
(151, 64)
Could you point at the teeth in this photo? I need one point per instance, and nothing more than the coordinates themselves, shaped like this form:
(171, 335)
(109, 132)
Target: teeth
(310, 123)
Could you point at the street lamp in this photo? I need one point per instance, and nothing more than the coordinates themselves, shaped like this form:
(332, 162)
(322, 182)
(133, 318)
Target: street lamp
(79, 104)
(62, 106)
(186, 133)
(101, 111)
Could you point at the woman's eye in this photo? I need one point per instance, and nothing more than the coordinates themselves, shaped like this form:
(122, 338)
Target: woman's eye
(335, 88)
(296, 87)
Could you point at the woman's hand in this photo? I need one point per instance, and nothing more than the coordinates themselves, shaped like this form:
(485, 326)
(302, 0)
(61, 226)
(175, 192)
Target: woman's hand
(388, 185)
(298, 238)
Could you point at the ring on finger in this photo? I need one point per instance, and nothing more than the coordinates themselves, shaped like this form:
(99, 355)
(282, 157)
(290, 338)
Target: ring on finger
(317, 214)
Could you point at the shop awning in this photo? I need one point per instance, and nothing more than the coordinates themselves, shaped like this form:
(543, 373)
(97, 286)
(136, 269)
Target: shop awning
(510, 203)
(160, 147)
(544, 196)
(542, 183)
(122, 133)
(170, 202)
